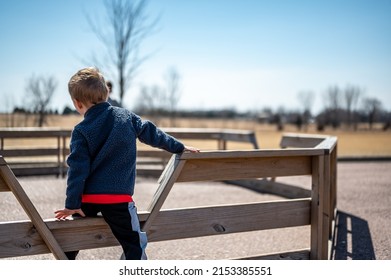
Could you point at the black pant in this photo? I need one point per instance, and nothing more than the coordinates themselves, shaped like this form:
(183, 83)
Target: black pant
(118, 217)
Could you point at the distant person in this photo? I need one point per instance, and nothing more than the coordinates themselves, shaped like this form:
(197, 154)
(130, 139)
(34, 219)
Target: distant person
(113, 102)
(102, 161)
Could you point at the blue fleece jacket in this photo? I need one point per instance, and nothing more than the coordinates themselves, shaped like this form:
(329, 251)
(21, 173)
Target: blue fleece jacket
(103, 152)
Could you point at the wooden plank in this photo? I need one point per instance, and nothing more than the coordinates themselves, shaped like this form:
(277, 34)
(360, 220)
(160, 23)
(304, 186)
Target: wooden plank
(154, 154)
(31, 132)
(148, 161)
(214, 134)
(149, 171)
(35, 169)
(272, 187)
(91, 233)
(334, 161)
(328, 144)
(252, 153)
(31, 211)
(183, 133)
(39, 169)
(206, 169)
(289, 140)
(20, 238)
(204, 221)
(324, 198)
(325, 204)
(194, 133)
(222, 135)
(240, 136)
(318, 141)
(316, 213)
(3, 185)
(314, 207)
(30, 152)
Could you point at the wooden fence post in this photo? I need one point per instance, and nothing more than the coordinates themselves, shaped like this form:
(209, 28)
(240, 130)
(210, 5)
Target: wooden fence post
(320, 207)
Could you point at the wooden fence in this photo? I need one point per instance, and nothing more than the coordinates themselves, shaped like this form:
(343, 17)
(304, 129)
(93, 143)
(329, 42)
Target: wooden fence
(46, 156)
(49, 155)
(317, 210)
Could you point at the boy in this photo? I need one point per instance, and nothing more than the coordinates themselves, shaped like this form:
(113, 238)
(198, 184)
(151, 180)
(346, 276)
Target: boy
(102, 161)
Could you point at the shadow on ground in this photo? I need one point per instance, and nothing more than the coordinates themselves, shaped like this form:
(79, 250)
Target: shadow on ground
(352, 239)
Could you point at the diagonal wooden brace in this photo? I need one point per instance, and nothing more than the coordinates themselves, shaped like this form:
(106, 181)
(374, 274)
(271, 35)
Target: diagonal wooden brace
(14, 186)
(166, 181)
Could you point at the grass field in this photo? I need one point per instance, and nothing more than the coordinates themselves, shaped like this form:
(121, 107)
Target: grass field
(363, 142)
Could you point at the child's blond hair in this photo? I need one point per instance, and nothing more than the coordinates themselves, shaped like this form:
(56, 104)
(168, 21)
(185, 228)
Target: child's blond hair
(88, 86)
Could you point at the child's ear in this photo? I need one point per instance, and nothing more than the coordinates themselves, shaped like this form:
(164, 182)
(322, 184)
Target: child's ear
(78, 104)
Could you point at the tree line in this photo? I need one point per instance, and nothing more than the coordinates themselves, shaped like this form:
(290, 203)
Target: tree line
(342, 107)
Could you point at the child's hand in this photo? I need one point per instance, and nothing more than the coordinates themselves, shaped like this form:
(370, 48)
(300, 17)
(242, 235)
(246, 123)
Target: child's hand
(64, 213)
(191, 149)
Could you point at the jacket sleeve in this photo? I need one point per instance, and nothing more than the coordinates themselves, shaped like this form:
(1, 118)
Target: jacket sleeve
(79, 167)
(148, 133)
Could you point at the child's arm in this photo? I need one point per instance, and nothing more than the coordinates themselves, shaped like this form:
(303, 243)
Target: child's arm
(148, 133)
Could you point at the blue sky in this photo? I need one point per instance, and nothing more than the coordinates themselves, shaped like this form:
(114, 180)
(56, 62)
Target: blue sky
(230, 54)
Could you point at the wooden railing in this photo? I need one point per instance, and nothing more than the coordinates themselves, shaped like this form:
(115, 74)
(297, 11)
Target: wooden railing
(52, 147)
(46, 156)
(317, 210)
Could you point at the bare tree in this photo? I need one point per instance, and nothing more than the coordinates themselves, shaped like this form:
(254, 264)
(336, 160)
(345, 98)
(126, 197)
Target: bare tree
(352, 96)
(174, 92)
(372, 107)
(306, 100)
(333, 106)
(151, 100)
(40, 91)
(122, 33)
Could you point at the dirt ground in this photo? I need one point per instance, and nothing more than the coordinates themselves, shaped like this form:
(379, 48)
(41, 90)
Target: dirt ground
(364, 216)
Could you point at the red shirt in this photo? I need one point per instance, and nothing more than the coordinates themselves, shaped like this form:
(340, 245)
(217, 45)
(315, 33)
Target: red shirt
(106, 198)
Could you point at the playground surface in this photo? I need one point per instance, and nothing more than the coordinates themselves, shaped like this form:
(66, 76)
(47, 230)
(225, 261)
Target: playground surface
(362, 226)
